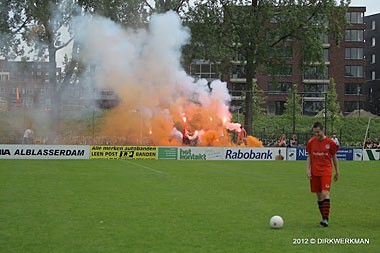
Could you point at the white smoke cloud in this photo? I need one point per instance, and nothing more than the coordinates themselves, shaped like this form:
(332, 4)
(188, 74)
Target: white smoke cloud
(143, 67)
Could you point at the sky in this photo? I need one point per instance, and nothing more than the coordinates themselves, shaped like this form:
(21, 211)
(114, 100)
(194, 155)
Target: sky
(373, 6)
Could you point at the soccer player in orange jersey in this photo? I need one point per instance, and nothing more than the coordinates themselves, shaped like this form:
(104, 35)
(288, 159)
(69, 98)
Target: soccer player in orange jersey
(242, 136)
(322, 150)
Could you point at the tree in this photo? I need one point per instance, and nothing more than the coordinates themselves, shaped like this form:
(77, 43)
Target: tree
(333, 107)
(39, 29)
(131, 13)
(37, 26)
(162, 6)
(261, 30)
(293, 108)
(258, 101)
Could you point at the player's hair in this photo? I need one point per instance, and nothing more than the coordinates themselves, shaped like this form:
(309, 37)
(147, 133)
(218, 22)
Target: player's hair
(318, 124)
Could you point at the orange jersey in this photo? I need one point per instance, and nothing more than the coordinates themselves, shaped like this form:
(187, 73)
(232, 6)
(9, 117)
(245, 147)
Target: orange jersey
(242, 134)
(320, 153)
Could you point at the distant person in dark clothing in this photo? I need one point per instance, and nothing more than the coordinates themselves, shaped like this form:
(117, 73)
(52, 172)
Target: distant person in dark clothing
(185, 135)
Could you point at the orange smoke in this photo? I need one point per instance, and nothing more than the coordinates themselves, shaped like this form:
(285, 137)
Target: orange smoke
(134, 127)
(254, 142)
(210, 138)
(154, 116)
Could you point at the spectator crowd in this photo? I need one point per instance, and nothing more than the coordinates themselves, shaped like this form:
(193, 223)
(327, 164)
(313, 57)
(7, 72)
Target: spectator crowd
(371, 144)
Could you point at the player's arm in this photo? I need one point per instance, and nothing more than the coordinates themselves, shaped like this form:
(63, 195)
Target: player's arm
(308, 167)
(336, 166)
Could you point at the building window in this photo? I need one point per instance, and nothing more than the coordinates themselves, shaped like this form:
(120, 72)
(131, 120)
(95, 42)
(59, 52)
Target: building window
(317, 89)
(354, 53)
(325, 38)
(286, 52)
(238, 71)
(373, 42)
(314, 73)
(238, 57)
(373, 58)
(275, 18)
(373, 25)
(355, 17)
(350, 106)
(326, 54)
(279, 88)
(353, 89)
(203, 70)
(353, 71)
(354, 35)
(276, 107)
(27, 91)
(2, 89)
(4, 77)
(373, 75)
(285, 70)
(310, 108)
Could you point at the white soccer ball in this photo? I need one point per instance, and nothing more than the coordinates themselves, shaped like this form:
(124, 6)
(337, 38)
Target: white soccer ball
(276, 222)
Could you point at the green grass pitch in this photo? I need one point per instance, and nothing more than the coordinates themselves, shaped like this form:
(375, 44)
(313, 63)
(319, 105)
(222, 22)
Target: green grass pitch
(181, 206)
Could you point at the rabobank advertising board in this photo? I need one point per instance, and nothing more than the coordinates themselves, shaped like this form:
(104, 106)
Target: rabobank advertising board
(233, 154)
(346, 154)
(262, 154)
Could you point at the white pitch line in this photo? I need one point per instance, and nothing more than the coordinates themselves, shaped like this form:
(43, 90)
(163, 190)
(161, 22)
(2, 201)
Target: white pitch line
(145, 167)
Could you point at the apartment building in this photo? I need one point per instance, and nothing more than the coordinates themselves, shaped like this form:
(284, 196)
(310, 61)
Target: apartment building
(372, 69)
(345, 63)
(24, 84)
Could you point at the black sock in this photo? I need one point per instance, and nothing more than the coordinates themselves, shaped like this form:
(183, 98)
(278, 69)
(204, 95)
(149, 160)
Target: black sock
(325, 208)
